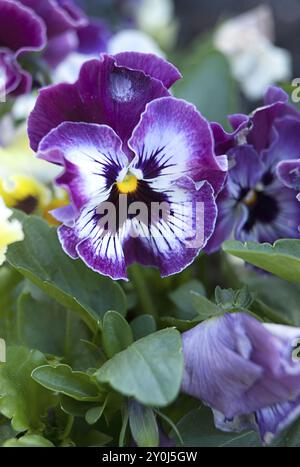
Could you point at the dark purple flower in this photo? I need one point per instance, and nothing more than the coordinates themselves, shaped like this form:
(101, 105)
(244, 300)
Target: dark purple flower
(21, 31)
(289, 173)
(62, 19)
(245, 371)
(59, 16)
(255, 204)
(117, 131)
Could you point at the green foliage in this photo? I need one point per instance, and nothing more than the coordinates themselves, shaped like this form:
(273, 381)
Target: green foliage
(41, 259)
(143, 426)
(207, 73)
(281, 259)
(116, 333)
(149, 370)
(197, 429)
(28, 406)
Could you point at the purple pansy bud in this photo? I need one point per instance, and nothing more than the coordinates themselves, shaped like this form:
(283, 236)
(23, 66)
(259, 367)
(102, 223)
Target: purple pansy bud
(120, 136)
(246, 371)
(259, 202)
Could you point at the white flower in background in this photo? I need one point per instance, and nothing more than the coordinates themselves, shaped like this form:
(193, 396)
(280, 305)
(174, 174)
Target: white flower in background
(68, 70)
(23, 106)
(132, 40)
(10, 230)
(247, 41)
(156, 17)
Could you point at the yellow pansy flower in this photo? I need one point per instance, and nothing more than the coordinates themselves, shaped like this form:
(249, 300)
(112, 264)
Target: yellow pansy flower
(10, 230)
(24, 193)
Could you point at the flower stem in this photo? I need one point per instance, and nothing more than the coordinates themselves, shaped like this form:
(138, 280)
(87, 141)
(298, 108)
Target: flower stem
(145, 300)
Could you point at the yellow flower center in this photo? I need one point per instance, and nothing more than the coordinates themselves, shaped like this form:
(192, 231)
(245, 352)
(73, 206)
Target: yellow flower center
(251, 198)
(128, 185)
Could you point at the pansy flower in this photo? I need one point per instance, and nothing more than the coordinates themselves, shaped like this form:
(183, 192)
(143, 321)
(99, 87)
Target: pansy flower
(10, 230)
(21, 31)
(120, 135)
(255, 204)
(246, 371)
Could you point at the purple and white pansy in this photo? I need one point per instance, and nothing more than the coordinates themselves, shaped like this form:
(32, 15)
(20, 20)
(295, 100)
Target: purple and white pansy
(258, 202)
(122, 138)
(246, 371)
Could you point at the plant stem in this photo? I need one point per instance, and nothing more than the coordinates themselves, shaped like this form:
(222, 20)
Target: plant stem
(145, 299)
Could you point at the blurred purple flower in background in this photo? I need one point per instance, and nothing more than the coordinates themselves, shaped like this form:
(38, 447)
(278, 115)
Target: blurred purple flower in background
(21, 31)
(245, 371)
(55, 28)
(255, 204)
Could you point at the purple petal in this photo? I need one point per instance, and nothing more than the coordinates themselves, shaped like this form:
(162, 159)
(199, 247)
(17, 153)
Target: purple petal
(173, 244)
(225, 141)
(225, 224)
(10, 73)
(246, 170)
(65, 214)
(237, 366)
(104, 94)
(173, 145)
(59, 15)
(263, 120)
(92, 158)
(25, 84)
(274, 95)
(285, 141)
(93, 38)
(151, 65)
(272, 420)
(20, 28)
(168, 245)
(59, 47)
(289, 173)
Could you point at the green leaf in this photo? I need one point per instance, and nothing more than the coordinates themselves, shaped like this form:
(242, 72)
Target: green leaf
(73, 407)
(290, 437)
(6, 431)
(41, 259)
(142, 326)
(64, 380)
(184, 300)
(281, 259)
(117, 334)
(94, 414)
(142, 422)
(21, 398)
(150, 369)
(281, 297)
(229, 299)
(197, 429)
(84, 436)
(28, 441)
(37, 317)
(206, 73)
(205, 308)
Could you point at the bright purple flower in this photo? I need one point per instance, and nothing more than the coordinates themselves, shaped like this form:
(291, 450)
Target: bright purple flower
(117, 131)
(255, 204)
(20, 31)
(245, 371)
